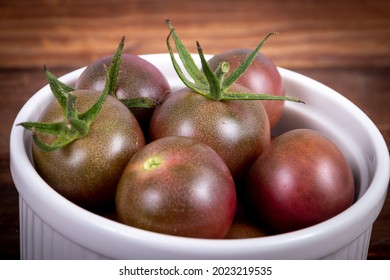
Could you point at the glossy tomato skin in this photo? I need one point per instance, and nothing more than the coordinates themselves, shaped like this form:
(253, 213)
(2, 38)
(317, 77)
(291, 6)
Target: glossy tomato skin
(177, 186)
(237, 130)
(261, 77)
(87, 171)
(302, 179)
(137, 78)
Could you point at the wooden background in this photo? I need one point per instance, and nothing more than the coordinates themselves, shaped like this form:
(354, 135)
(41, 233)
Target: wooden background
(335, 33)
(344, 44)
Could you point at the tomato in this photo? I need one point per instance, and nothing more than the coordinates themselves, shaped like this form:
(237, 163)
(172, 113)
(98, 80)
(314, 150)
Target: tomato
(214, 109)
(87, 170)
(261, 77)
(137, 78)
(243, 226)
(300, 180)
(237, 130)
(177, 186)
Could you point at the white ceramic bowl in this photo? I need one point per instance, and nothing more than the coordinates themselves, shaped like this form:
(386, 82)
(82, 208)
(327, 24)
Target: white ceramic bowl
(51, 227)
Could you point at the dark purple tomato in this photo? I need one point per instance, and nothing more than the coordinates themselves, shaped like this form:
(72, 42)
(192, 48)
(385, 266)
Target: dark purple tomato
(87, 171)
(300, 180)
(243, 226)
(237, 130)
(177, 186)
(261, 77)
(137, 78)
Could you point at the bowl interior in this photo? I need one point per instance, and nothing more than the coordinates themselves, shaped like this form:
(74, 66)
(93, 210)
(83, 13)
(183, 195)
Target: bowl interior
(325, 111)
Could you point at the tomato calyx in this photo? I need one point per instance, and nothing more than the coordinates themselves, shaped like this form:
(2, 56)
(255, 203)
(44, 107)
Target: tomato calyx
(215, 85)
(75, 125)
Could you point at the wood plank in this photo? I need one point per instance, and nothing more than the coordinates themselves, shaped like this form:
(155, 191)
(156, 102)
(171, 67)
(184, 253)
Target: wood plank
(340, 33)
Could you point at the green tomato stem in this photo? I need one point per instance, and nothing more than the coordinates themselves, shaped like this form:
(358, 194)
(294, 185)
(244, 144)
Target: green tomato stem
(59, 89)
(75, 125)
(221, 71)
(139, 102)
(60, 142)
(215, 92)
(71, 112)
(110, 86)
(47, 128)
(240, 70)
(113, 71)
(198, 85)
(186, 57)
(214, 85)
(250, 96)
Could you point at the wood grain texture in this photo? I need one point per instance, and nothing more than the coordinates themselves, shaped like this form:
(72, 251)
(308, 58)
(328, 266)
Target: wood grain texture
(340, 33)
